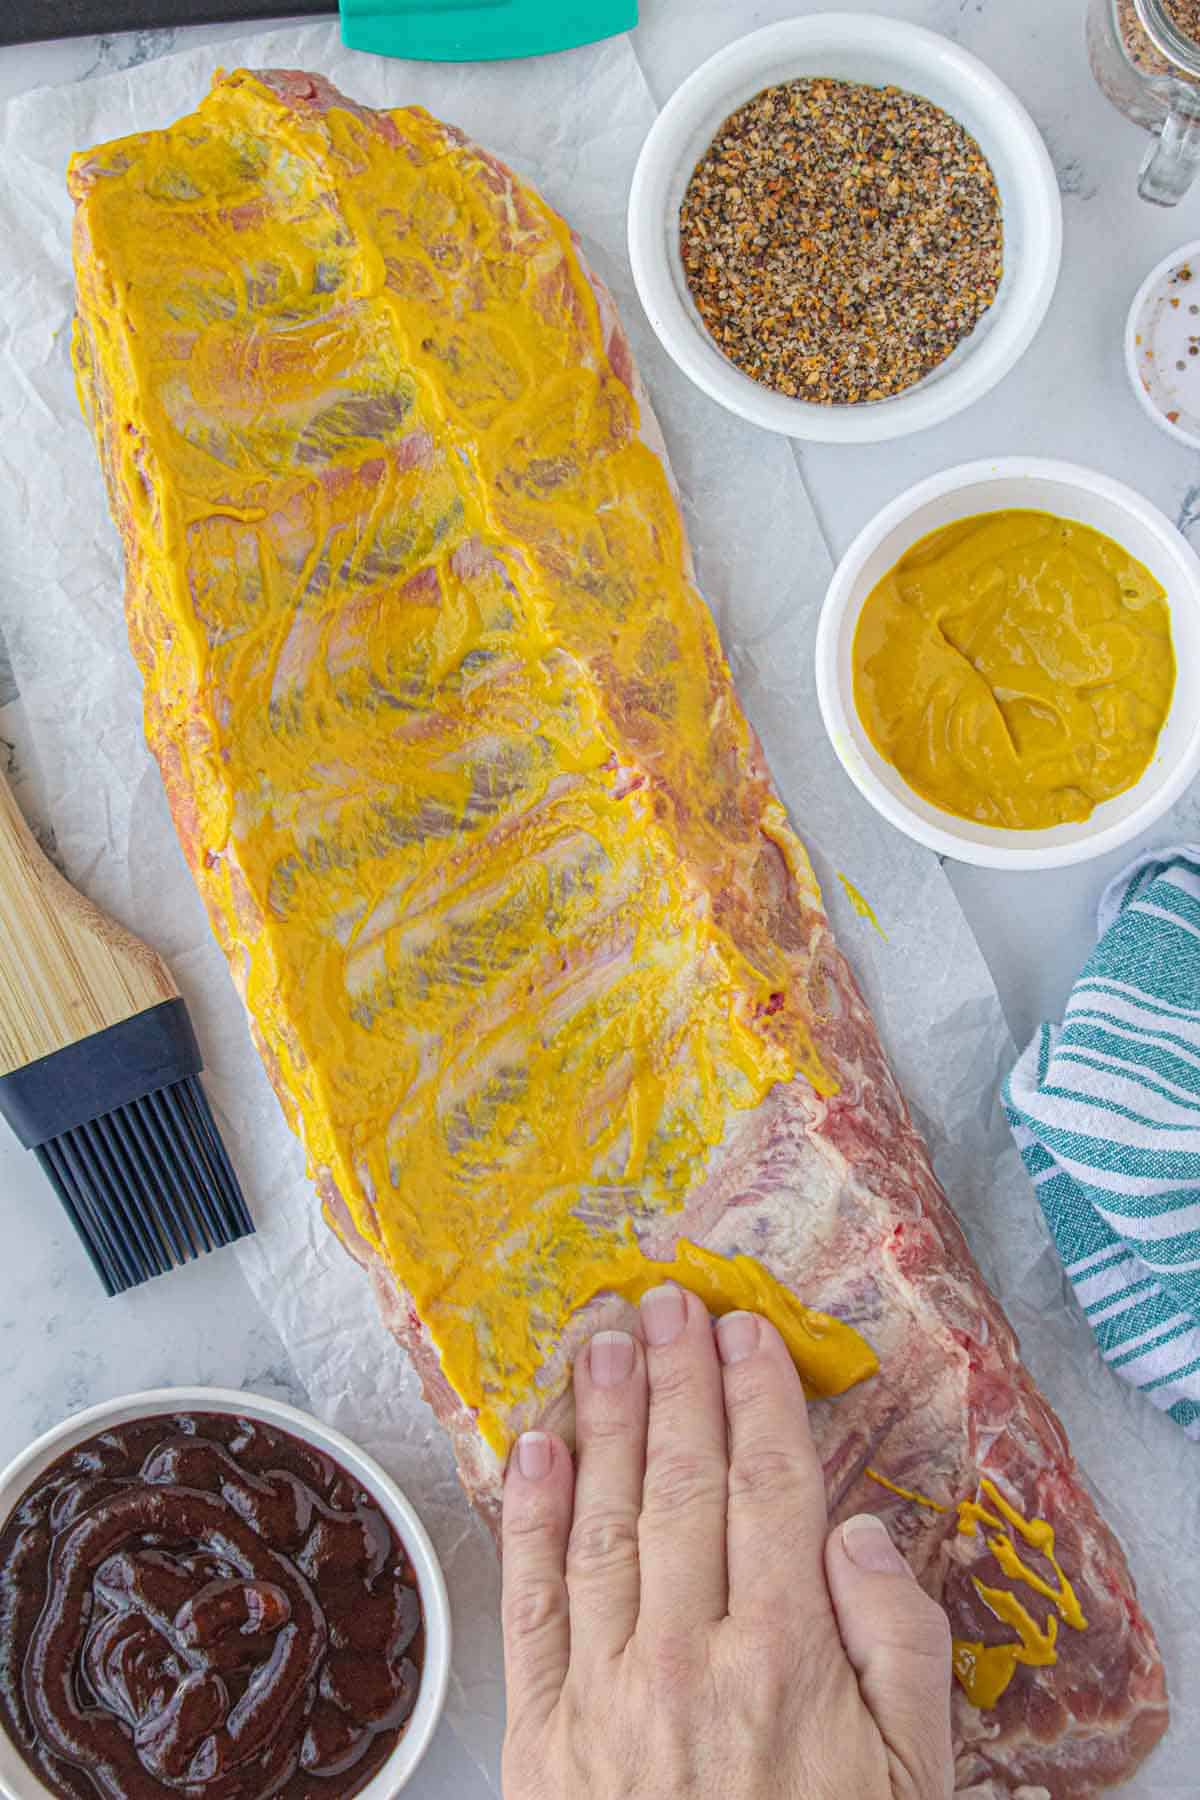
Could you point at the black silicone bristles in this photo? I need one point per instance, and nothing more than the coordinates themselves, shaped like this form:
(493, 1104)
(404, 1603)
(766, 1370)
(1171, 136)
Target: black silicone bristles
(120, 1124)
(148, 1186)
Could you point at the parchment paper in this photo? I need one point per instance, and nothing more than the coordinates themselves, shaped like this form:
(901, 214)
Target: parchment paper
(573, 124)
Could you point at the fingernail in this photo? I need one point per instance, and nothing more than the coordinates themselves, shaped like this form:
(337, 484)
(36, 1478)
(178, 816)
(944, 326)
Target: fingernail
(610, 1358)
(535, 1455)
(737, 1337)
(868, 1544)
(664, 1314)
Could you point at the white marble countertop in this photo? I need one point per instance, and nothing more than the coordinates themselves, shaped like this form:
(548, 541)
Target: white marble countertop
(64, 1346)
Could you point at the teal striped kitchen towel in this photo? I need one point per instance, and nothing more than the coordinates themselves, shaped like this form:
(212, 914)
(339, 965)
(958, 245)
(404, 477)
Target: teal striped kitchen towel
(1106, 1113)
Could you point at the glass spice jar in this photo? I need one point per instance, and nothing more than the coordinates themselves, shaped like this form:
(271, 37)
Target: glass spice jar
(1145, 54)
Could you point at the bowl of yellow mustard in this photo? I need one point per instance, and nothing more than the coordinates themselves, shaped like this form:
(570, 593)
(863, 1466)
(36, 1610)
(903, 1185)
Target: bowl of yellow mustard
(1008, 663)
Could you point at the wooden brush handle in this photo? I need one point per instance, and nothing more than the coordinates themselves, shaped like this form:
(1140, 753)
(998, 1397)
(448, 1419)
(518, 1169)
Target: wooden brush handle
(66, 971)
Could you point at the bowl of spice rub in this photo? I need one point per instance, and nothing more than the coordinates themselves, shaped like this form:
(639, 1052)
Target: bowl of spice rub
(1008, 663)
(844, 228)
(208, 1592)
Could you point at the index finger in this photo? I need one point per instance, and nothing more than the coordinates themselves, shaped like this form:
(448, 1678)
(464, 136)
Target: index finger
(776, 1484)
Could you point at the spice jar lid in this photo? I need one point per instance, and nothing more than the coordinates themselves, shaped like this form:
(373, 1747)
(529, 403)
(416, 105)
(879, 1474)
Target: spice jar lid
(1162, 344)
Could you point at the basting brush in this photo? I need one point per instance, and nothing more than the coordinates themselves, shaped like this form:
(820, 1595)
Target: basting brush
(99, 1070)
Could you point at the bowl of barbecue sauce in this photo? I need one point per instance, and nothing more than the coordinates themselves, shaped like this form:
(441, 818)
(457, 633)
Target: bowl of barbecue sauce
(209, 1593)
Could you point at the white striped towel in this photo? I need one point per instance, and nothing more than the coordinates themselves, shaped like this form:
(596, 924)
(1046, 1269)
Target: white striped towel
(1106, 1113)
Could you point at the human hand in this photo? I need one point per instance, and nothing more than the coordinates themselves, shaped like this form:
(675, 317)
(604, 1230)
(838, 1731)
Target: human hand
(679, 1622)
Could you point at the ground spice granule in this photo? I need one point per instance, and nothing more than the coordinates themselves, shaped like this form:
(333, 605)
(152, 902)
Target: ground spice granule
(840, 240)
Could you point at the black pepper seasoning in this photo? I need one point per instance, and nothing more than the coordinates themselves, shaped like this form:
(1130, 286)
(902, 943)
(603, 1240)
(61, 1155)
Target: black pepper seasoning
(839, 240)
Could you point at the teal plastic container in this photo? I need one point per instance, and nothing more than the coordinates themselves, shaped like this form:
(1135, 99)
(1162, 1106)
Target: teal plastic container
(480, 30)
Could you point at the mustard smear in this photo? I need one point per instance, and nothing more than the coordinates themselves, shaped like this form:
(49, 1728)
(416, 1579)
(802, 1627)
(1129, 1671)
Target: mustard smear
(904, 1493)
(1016, 668)
(829, 1355)
(447, 730)
(861, 906)
(985, 1670)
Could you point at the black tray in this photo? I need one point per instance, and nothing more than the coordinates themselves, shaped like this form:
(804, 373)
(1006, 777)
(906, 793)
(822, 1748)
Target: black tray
(23, 21)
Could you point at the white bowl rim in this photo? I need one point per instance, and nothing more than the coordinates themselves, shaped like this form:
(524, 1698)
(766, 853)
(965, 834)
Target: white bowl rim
(435, 1604)
(1004, 850)
(1186, 252)
(918, 408)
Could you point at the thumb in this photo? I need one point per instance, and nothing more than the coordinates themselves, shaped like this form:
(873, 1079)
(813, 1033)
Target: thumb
(898, 1641)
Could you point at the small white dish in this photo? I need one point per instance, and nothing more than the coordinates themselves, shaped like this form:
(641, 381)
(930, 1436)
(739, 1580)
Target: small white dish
(866, 48)
(17, 1780)
(1162, 344)
(980, 487)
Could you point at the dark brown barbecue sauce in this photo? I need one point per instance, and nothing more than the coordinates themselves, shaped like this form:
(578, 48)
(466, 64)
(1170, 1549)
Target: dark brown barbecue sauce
(203, 1606)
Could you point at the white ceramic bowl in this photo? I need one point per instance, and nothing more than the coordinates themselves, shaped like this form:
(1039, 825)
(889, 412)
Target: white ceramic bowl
(1157, 332)
(1073, 493)
(17, 1781)
(853, 47)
